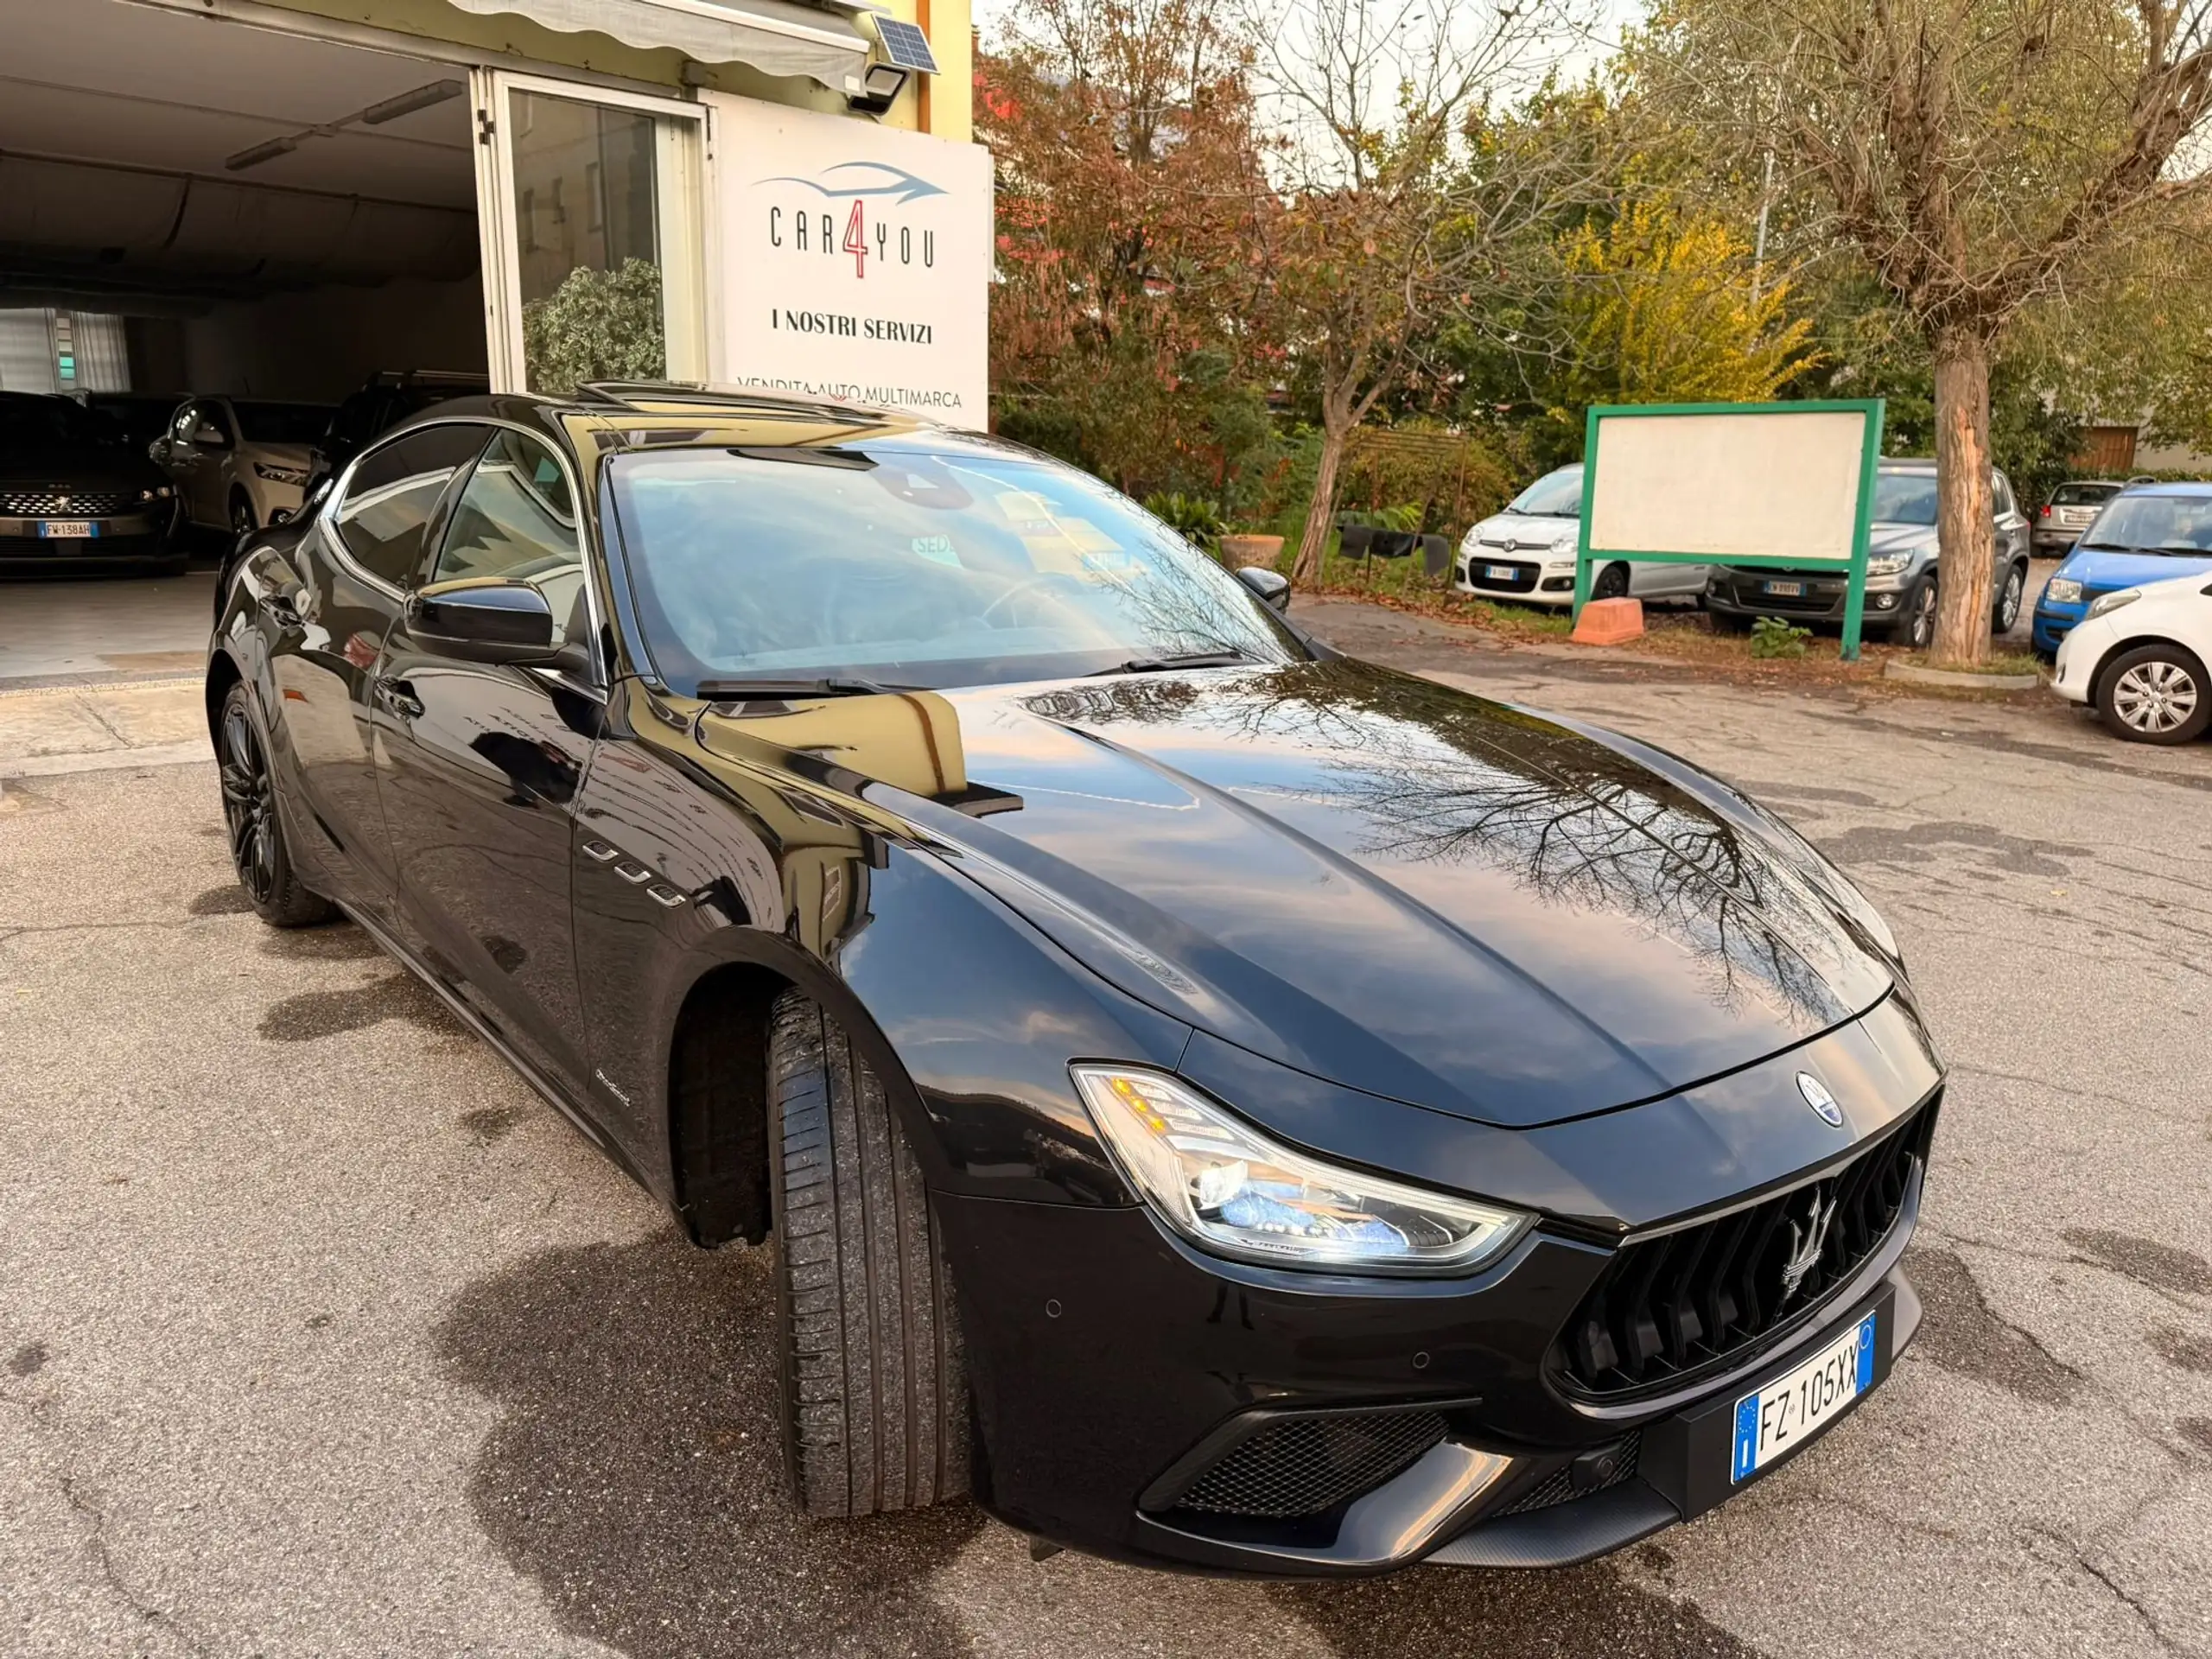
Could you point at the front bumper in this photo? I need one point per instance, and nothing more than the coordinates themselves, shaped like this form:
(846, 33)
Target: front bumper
(1743, 593)
(1116, 1369)
(1531, 582)
(2055, 620)
(2080, 650)
(129, 536)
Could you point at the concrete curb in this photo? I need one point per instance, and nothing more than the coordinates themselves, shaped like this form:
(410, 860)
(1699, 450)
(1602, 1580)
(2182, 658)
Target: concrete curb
(1914, 675)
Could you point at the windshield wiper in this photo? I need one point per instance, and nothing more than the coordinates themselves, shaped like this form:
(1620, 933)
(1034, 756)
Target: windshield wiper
(2182, 548)
(835, 685)
(1169, 665)
(2104, 546)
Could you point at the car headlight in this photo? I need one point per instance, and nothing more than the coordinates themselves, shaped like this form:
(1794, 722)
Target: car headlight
(279, 474)
(2063, 590)
(1229, 1189)
(1887, 565)
(2105, 603)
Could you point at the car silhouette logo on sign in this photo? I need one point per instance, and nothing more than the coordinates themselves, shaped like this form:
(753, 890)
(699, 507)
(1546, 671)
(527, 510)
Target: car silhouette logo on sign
(1818, 1097)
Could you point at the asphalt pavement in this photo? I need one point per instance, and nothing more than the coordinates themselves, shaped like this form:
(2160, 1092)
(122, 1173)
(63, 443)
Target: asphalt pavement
(320, 1335)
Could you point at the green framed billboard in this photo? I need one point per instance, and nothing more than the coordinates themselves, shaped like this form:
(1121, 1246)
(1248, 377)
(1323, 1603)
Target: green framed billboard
(1787, 485)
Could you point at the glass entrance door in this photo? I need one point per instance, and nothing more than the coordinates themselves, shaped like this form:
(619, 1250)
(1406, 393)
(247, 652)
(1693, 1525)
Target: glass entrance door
(592, 236)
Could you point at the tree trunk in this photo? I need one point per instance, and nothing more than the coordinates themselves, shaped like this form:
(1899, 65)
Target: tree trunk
(1965, 509)
(1321, 513)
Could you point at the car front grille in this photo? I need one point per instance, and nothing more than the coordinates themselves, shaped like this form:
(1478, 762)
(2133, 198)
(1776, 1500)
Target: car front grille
(1308, 1463)
(54, 503)
(1666, 1309)
(1522, 580)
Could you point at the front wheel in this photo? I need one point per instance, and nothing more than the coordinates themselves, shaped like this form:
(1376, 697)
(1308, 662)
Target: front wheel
(875, 1386)
(258, 854)
(242, 522)
(2009, 599)
(1916, 623)
(1612, 584)
(2156, 693)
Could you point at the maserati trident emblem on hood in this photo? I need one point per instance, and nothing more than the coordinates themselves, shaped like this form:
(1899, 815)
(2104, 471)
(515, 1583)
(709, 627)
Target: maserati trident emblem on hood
(1818, 1097)
(1806, 1243)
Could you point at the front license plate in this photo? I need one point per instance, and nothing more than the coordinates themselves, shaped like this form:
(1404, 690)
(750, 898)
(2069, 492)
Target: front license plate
(1501, 572)
(1791, 1409)
(1785, 589)
(71, 529)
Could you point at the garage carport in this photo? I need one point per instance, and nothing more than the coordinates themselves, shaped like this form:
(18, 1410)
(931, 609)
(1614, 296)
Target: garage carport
(191, 206)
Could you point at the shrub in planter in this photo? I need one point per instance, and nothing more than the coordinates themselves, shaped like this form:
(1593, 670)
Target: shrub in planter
(598, 325)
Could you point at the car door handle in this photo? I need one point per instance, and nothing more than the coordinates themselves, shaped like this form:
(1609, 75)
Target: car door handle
(397, 696)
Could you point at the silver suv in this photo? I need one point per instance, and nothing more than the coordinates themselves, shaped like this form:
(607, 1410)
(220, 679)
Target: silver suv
(1901, 568)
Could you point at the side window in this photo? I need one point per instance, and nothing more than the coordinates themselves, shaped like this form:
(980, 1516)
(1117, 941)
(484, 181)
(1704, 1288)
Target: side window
(185, 423)
(392, 495)
(515, 520)
(2004, 493)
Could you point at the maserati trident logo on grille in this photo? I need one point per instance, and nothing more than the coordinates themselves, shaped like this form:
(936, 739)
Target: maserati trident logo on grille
(1806, 1243)
(1818, 1097)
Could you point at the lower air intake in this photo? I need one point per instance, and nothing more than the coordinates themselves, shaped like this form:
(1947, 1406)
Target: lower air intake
(1304, 1465)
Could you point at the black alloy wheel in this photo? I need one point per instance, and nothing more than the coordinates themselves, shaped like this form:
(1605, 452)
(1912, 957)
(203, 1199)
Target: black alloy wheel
(2009, 598)
(256, 834)
(242, 522)
(1612, 584)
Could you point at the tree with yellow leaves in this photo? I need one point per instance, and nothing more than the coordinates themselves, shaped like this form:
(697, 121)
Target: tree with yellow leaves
(1663, 307)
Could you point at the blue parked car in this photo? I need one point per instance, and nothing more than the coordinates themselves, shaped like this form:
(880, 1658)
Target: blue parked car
(2148, 532)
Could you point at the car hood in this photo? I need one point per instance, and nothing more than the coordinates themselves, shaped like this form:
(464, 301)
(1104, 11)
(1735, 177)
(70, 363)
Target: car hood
(2105, 571)
(1533, 534)
(278, 454)
(1381, 881)
(79, 467)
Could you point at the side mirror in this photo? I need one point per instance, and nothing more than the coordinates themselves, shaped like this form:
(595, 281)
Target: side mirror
(1271, 589)
(483, 619)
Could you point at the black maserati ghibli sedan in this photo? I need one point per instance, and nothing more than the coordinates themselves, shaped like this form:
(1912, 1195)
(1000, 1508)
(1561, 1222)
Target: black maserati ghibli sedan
(74, 491)
(1223, 1105)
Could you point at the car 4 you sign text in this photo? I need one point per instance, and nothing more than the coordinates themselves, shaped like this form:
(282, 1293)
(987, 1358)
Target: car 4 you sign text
(855, 260)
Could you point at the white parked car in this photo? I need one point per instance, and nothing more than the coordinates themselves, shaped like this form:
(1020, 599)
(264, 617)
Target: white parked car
(2139, 658)
(239, 463)
(1526, 552)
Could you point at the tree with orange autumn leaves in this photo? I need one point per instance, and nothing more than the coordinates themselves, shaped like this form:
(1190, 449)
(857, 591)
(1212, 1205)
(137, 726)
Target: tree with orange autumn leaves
(1129, 322)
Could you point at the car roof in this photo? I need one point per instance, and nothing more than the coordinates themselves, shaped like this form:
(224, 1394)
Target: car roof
(2177, 487)
(669, 416)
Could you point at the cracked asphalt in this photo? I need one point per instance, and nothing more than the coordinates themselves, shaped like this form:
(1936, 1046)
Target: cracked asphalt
(318, 1334)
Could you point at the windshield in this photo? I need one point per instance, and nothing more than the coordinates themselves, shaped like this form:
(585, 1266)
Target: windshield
(45, 423)
(2082, 495)
(1904, 498)
(2153, 523)
(912, 565)
(282, 423)
(1555, 495)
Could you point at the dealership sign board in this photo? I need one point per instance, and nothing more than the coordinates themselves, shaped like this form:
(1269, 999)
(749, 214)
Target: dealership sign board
(855, 260)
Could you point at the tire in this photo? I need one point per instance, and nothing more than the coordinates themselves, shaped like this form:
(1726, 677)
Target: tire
(2155, 694)
(2010, 597)
(1612, 582)
(256, 829)
(1916, 623)
(875, 1389)
(1730, 621)
(242, 519)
